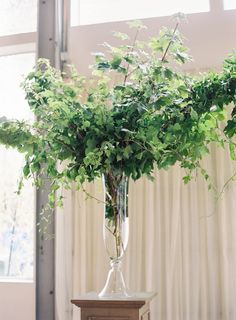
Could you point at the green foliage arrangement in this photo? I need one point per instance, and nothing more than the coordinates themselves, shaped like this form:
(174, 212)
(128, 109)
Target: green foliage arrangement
(152, 115)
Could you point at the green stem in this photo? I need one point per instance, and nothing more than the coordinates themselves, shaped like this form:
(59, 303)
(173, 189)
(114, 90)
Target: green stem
(169, 44)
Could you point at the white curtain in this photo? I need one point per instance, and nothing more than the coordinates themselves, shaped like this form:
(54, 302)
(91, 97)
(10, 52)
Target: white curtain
(182, 245)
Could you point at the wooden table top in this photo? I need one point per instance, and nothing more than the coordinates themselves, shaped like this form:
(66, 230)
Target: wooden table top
(91, 299)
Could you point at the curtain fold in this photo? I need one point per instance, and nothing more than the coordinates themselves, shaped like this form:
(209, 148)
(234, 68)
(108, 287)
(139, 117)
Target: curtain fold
(182, 245)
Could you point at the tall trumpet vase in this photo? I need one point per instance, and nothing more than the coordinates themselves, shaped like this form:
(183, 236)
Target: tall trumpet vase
(115, 232)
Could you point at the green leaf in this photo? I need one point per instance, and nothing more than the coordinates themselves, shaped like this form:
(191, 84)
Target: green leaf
(91, 144)
(104, 65)
(136, 24)
(115, 63)
(86, 124)
(120, 35)
(26, 170)
(182, 56)
(187, 179)
(232, 150)
(193, 114)
(127, 151)
(177, 127)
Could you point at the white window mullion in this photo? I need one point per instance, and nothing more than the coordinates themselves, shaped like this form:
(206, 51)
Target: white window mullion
(18, 39)
(216, 5)
(18, 49)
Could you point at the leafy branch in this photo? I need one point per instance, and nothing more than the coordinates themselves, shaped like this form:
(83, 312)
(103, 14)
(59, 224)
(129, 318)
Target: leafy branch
(170, 42)
(159, 117)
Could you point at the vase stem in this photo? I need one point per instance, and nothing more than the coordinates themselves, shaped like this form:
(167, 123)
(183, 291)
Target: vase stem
(115, 231)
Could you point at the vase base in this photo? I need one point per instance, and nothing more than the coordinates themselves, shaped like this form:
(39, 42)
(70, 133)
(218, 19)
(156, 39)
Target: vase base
(114, 295)
(115, 287)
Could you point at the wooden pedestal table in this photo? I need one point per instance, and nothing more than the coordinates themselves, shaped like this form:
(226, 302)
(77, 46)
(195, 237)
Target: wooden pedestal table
(132, 308)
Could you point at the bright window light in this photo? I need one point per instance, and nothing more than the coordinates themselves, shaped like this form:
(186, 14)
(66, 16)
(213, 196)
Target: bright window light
(17, 16)
(229, 4)
(16, 212)
(97, 11)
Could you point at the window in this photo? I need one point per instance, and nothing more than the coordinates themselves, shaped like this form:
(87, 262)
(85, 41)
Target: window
(17, 16)
(16, 212)
(97, 11)
(229, 4)
(17, 57)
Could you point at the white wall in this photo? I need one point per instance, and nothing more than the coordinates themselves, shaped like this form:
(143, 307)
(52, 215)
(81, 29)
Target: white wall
(210, 36)
(17, 301)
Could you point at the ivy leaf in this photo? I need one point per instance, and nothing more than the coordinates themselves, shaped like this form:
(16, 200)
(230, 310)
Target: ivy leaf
(187, 179)
(120, 35)
(181, 56)
(91, 144)
(26, 170)
(103, 65)
(127, 151)
(193, 114)
(232, 150)
(136, 24)
(230, 129)
(115, 63)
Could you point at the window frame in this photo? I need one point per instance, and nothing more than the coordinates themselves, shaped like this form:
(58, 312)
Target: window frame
(13, 45)
(214, 6)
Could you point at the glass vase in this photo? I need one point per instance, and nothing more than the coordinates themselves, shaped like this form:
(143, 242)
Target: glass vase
(115, 232)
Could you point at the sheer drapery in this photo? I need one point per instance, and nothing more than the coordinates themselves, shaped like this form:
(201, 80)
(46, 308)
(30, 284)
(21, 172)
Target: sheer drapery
(182, 245)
